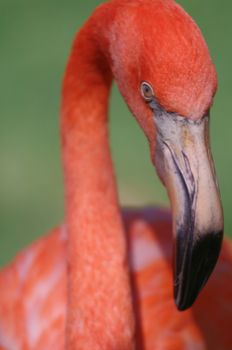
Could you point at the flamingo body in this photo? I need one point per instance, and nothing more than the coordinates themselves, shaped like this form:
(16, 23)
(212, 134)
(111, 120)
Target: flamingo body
(103, 281)
(33, 293)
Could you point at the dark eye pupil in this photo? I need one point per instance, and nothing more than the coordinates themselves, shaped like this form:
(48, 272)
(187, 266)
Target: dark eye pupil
(147, 91)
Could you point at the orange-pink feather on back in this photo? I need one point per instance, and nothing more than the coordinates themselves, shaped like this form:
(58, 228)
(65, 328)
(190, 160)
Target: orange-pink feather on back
(33, 295)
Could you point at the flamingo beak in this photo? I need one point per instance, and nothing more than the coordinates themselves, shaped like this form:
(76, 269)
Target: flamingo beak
(184, 163)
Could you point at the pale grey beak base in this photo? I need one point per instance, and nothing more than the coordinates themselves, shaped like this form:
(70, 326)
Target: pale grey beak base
(185, 166)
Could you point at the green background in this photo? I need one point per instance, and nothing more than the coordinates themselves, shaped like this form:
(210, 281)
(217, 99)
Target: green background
(35, 38)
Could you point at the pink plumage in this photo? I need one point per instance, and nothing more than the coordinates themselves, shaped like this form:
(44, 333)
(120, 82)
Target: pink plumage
(104, 279)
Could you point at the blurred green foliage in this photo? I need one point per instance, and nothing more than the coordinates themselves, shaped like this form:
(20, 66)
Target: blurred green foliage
(35, 38)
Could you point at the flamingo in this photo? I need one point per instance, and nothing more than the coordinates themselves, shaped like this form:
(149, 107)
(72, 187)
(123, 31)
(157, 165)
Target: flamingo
(103, 280)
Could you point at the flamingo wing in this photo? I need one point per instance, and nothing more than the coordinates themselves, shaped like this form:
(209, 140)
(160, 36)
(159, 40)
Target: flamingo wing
(33, 293)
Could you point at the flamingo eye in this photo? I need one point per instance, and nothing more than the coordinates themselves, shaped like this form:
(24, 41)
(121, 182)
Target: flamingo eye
(146, 91)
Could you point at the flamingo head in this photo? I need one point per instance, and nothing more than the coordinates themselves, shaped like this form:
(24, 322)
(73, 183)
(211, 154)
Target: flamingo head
(165, 73)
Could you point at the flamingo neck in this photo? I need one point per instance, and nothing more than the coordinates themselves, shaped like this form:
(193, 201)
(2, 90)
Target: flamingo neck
(99, 298)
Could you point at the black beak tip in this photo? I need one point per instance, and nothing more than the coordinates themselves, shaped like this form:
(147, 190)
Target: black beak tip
(198, 263)
(184, 303)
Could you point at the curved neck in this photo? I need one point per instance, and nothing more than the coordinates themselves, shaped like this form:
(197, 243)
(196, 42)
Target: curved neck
(99, 298)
